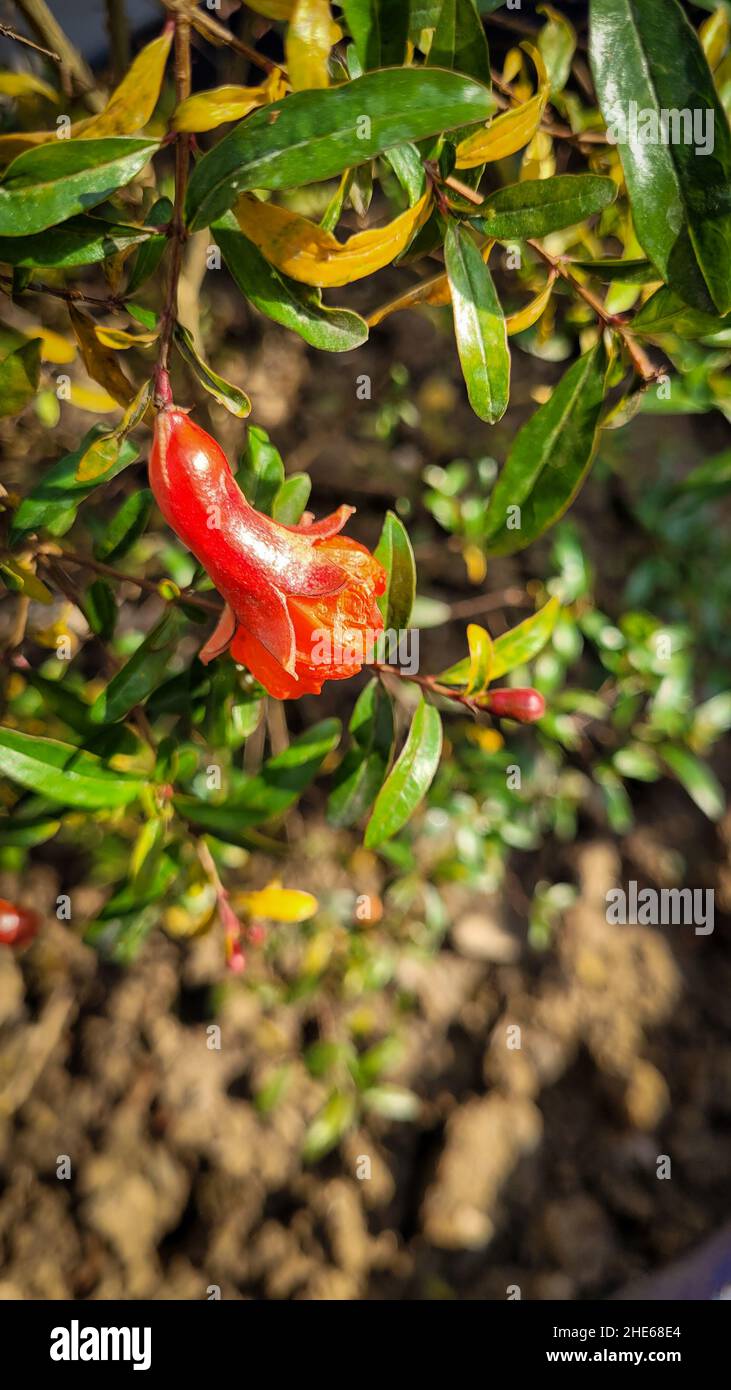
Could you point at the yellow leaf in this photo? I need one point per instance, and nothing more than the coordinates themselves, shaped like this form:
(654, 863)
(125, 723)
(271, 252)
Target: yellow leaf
(21, 84)
(100, 361)
(434, 291)
(28, 583)
(207, 110)
(310, 36)
(132, 103)
(272, 9)
(120, 339)
(278, 904)
(480, 645)
(12, 145)
(715, 34)
(488, 740)
(313, 256)
(531, 312)
(475, 563)
(510, 131)
(87, 398)
(55, 348)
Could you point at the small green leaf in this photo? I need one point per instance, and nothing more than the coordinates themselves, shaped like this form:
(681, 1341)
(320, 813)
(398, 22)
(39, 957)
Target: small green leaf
(479, 326)
(261, 473)
(539, 206)
(235, 400)
(145, 670)
(53, 503)
(126, 526)
(459, 41)
(101, 609)
(410, 777)
(380, 29)
(19, 375)
(291, 499)
(395, 553)
(363, 770)
(150, 254)
(514, 648)
(699, 781)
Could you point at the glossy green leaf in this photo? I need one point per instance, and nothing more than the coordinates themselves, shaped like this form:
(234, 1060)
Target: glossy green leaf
(410, 777)
(665, 312)
(63, 773)
(459, 41)
(380, 29)
(47, 184)
(539, 206)
(61, 700)
(314, 135)
(291, 499)
(255, 800)
(650, 55)
(408, 167)
(395, 552)
(699, 781)
(80, 241)
(549, 459)
(53, 503)
(261, 472)
(145, 670)
(149, 256)
(479, 326)
(100, 608)
(296, 306)
(363, 770)
(611, 268)
(19, 377)
(232, 397)
(514, 648)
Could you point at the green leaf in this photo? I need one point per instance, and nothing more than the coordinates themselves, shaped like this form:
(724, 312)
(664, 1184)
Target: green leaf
(291, 499)
(145, 670)
(395, 553)
(47, 184)
(149, 256)
(539, 206)
(80, 241)
(315, 135)
(459, 41)
(53, 503)
(61, 701)
(408, 167)
(380, 29)
(363, 770)
(557, 45)
(235, 400)
(296, 306)
(410, 777)
(261, 473)
(699, 781)
(27, 836)
(100, 609)
(665, 312)
(550, 457)
(479, 326)
(329, 1126)
(649, 55)
(19, 375)
(255, 800)
(611, 268)
(63, 773)
(126, 526)
(514, 648)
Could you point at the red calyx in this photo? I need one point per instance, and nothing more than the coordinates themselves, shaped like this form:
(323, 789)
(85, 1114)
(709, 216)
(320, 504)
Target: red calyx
(525, 704)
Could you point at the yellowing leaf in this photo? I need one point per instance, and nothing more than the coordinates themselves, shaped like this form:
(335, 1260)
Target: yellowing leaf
(272, 9)
(22, 84)
(310, 36)
(132, 103)
(504, 135)
(120, 339)
(434, 291)
(14, 144)
(531, 312)
(278, 904)
(715, 35)
(475, 563)
(98, 458)
(28, 583)
(54, 347)
(480, 645)
(314, 256)
(100, 361)
(87, 398)
(207, 110)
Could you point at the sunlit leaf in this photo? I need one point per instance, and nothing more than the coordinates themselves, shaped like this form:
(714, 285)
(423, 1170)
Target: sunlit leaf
(410, 777)
(235, 400)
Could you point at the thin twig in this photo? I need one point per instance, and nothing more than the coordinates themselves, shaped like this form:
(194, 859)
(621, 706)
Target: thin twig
(10, 33)
(211, 29)
(151, 585)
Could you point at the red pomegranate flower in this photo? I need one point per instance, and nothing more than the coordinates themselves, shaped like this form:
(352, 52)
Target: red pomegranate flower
(300, 600)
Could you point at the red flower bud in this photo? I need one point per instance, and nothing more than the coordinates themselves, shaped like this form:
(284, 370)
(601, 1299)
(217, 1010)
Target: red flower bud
(285, 586)
(18, 925)
(526, 705)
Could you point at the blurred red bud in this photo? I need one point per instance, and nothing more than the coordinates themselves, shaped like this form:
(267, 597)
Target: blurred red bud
(18, 925)
(257, 933)
(526, 705)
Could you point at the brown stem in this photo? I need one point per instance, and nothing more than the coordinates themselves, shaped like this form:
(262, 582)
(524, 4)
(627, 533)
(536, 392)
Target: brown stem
(9, 33)
(150, 585)
(118, 37)
(176, 232)
(211, 29)
(111, 303)
(430, 684)
(640, 361)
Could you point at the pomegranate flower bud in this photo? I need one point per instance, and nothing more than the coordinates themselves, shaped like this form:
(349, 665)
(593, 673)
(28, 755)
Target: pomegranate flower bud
(300, 600)
(18, 925)
(526, 705)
